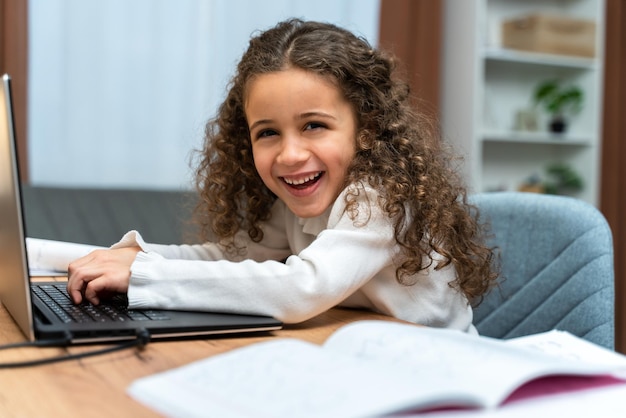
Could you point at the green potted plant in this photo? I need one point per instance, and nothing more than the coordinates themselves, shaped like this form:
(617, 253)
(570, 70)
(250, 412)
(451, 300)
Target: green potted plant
(560, 179)
(563, 179)
(559, 101)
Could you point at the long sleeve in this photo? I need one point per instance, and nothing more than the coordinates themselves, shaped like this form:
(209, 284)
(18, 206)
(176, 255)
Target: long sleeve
(341, 259)
(334, 260)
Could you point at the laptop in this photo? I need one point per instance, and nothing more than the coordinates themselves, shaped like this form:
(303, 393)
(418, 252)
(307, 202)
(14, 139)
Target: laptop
(34, 305)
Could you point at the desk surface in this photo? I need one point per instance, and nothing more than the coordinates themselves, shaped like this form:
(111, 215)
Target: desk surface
(96, 386)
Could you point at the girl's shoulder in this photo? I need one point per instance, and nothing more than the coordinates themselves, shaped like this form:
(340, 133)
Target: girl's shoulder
(359, 202)
(362, 193)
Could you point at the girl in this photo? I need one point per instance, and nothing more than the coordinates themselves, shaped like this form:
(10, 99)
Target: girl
(319, 187)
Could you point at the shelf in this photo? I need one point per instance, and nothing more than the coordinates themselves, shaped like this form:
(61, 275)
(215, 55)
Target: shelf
(544, 138)
(485, 86)
(535, 58)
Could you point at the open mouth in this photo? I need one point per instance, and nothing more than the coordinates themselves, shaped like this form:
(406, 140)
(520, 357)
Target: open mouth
(303, 182)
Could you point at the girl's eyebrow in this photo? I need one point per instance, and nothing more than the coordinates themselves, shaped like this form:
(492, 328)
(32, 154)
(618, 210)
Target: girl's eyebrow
(317, 114)
(306, 115)
(259, 122)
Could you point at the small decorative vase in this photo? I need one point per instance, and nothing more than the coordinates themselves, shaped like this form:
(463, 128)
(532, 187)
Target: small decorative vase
(558, 125)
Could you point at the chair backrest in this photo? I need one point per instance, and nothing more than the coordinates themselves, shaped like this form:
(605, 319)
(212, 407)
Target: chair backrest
(557, 267)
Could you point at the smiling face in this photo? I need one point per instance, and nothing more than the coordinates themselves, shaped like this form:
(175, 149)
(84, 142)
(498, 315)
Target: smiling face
(303, 134)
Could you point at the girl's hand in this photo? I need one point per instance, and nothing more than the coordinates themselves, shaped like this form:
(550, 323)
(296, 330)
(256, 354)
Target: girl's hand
(100, 273)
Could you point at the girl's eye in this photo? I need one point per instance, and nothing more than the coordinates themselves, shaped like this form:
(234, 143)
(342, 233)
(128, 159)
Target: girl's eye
(314, 125)
(266, 133)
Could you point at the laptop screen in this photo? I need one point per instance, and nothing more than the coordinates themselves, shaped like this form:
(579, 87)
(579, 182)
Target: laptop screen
(14, 283)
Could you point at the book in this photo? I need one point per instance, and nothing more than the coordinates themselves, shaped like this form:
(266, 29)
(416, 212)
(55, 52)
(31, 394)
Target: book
(371, 368)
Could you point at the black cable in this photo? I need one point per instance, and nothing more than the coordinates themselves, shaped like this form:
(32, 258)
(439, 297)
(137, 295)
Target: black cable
(141, 340)
(65, 340)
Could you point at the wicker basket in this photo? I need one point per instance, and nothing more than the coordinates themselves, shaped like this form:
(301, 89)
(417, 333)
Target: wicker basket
(550, 34)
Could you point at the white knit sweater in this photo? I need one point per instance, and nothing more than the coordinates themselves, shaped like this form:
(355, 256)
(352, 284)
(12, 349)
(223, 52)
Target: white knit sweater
(331, 260)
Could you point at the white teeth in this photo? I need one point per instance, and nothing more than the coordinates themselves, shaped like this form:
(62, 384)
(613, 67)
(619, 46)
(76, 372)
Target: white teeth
(296, 182)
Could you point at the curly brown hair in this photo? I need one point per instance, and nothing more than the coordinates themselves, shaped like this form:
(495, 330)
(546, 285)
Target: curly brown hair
(399, 153)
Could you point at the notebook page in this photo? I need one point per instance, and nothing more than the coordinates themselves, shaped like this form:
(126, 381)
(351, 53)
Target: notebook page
(488, 368)
(281, 378)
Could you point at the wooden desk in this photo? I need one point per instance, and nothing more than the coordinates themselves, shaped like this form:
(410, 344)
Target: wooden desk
(96, 386)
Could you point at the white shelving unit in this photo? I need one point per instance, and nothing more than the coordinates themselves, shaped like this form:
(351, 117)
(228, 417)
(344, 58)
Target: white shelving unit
(484, 85)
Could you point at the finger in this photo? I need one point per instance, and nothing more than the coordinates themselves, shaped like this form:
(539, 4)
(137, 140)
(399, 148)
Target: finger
(75, 295)
(99, 287)
(75, 283)
(75, 288)
(78, 278)
(91, 292)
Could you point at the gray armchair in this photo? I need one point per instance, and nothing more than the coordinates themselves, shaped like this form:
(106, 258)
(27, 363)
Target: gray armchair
(557, 267)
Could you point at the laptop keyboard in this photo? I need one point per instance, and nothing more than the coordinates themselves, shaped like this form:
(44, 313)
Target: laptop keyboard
(56, 298)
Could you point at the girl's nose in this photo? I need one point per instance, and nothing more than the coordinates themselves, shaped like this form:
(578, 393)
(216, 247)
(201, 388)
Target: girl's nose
(293, 151)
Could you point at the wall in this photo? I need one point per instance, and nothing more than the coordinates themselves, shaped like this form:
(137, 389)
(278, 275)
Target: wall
(13, 61)
(119, 91)
(613, 193)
